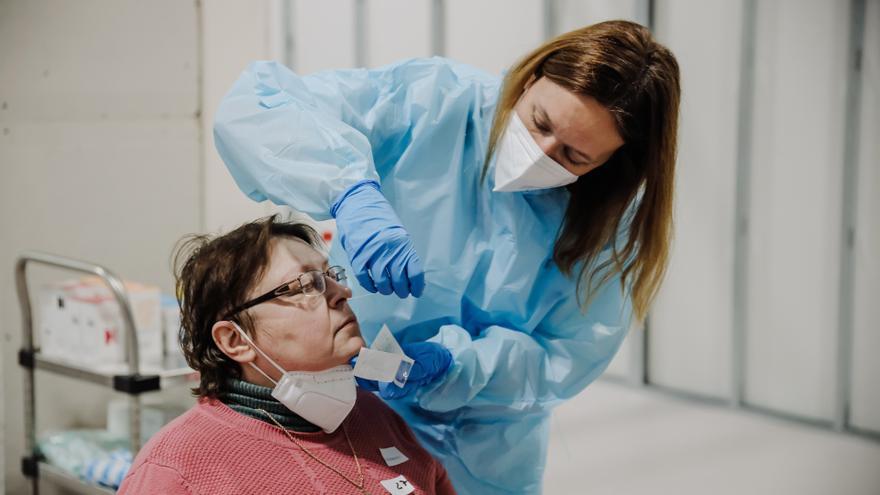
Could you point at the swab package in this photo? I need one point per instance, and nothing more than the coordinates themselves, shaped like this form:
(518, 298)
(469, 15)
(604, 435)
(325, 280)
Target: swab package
(384, 360)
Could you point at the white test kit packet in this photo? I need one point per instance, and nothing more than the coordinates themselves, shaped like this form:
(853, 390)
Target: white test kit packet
(384, 360)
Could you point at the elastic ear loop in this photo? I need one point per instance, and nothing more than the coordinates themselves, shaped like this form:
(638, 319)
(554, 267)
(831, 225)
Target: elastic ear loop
(254, 366)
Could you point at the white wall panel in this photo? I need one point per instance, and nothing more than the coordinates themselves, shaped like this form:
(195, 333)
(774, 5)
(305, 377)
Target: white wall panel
(628, 363)
(690, 325)
(574, 14)
(794, 249)
(235, 34)
(110, 192)
(99, 155)
(397, 29)
(865, 400)
(116, 193)
(324, 35)
(492, 34)
(85, 60)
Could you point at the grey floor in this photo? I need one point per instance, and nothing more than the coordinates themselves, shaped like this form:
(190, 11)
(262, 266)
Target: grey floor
(621, 440)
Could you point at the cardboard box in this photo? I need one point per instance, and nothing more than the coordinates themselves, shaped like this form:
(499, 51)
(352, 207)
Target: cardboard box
(80, 321)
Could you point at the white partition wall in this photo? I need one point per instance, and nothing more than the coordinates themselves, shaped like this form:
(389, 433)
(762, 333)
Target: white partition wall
(224, 57)
(794, 227)
(865, 368)
(690, 327)
(100, 160)
(573, 14)
(492, 34)
(323, 35)
(776, 117)
(398, 29)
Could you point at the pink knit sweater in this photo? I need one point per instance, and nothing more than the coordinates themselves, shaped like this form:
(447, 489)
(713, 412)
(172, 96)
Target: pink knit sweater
(212, 449)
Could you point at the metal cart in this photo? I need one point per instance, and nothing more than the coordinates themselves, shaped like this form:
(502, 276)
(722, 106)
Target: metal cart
(132, 383)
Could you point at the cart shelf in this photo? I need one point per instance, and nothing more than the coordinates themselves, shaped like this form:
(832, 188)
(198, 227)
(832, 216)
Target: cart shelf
(129, 378)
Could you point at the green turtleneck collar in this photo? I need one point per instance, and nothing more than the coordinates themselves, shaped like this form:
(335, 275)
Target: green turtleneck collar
(248, 398)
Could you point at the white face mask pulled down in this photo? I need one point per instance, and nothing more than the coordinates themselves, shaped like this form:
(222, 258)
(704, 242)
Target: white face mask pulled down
(323, 398)
(521, 165)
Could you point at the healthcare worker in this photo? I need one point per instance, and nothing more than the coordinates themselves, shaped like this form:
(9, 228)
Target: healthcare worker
(520, 222)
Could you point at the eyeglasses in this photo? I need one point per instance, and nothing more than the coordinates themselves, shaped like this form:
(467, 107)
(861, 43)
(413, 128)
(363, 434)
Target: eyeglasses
(311, 283)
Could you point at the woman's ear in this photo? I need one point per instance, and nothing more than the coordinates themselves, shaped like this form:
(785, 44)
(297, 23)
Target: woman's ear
(230, 342)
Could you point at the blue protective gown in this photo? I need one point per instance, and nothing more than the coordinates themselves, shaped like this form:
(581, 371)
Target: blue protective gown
(493, 295)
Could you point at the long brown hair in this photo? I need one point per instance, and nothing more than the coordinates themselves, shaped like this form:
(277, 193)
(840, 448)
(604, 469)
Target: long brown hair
(620, 65)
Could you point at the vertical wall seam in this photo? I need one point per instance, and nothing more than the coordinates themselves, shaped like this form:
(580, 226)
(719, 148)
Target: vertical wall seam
(202, 173)
(361, 24)
(289, 43)
(550, 27)
(745, 119)
(846, 292)
(438, 28)
(642, 373)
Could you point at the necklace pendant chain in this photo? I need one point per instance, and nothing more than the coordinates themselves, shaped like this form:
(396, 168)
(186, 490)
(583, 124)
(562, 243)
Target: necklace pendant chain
(359, 485)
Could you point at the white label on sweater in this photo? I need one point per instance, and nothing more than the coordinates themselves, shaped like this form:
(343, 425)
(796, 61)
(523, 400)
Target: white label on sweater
(398, 486)
(393, 456)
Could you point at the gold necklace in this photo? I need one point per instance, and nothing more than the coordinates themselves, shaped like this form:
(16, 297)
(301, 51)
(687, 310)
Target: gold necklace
(359, 486)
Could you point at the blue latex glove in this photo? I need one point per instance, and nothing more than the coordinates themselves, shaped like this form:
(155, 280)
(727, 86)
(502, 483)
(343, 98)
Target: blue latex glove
(431, 362)
(380, 250)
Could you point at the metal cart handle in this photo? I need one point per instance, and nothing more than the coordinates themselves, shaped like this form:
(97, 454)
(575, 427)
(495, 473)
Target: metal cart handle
(30, 465)
(115, 284)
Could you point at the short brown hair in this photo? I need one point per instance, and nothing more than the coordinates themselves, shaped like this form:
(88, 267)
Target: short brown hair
(214, 275)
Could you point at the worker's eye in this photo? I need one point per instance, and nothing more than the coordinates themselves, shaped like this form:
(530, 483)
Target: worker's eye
(541, 126)
(571, 157)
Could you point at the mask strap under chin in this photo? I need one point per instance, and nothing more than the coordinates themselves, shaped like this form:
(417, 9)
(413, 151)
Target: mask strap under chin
(254, 366)
(252, 344)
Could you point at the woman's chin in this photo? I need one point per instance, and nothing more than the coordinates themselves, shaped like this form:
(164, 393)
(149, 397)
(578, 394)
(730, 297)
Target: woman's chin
(357, 343)
(352, 346)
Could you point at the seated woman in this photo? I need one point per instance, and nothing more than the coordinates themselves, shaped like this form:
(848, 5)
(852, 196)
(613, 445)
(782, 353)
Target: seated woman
(267, 325)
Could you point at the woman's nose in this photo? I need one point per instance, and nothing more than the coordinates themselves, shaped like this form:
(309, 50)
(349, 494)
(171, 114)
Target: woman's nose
(336, 293)
(548, 144)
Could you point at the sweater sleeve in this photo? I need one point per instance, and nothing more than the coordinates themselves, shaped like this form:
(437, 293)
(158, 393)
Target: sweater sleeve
(154, 478)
